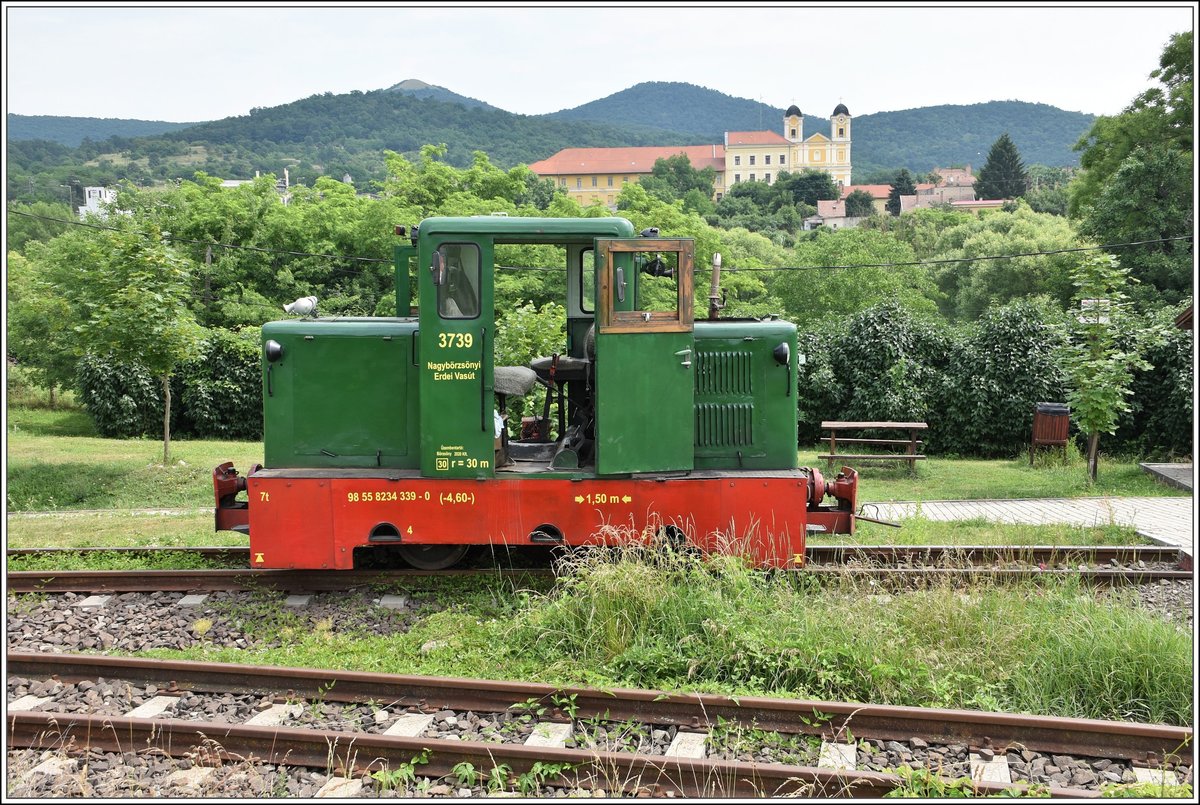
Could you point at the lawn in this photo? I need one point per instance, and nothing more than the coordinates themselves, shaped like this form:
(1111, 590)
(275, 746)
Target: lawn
(985, 479)
(56, 464)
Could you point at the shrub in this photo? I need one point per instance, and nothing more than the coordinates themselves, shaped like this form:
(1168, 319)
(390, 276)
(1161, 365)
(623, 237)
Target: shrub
(122, 398)
(1006, 365)
(883, 366)
(221, 394)
(1158, 423)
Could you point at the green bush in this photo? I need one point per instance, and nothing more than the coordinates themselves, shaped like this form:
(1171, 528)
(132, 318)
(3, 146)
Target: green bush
(122, 398)
(221, 394)
(1158, 423)
(885, 365)
(1006, 365)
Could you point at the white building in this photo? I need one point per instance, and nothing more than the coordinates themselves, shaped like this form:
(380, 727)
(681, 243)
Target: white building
(96, 201)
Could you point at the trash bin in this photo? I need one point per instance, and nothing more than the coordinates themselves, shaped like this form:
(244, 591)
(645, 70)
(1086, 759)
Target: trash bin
(1051, 421)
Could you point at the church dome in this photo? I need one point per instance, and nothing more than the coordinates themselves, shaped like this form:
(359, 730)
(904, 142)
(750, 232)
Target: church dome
(793, 110)
(841, 109)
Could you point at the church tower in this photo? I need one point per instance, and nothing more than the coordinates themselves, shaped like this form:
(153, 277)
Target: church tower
(793, 124)
(839, 128)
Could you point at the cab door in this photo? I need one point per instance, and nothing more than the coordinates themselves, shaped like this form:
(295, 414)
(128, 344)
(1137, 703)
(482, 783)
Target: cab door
(454, 353)
(644, 351)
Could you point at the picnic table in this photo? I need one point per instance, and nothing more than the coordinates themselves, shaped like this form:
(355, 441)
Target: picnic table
(912, 443)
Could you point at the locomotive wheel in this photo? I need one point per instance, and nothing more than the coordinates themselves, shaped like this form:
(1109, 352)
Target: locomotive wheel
(432, 557)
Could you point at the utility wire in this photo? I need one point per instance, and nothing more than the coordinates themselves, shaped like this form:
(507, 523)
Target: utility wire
(965, 259)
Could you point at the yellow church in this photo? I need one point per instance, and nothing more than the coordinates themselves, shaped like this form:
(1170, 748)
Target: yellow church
(596, 175)
(759, 156)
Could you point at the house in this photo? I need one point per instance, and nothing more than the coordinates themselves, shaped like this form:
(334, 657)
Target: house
(832, 214)
(879, 194)
(96, 201)
(596, 175)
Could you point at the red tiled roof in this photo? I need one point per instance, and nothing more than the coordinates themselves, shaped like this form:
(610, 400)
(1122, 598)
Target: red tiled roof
(754, 138)
(638, 159)
(831, 209)
(876, 190)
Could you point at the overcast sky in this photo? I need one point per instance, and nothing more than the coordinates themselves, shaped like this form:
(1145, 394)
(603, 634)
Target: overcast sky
(191, 63)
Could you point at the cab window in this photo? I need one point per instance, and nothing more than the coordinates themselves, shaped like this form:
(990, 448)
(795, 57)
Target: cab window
(458, 296)
(587, 280)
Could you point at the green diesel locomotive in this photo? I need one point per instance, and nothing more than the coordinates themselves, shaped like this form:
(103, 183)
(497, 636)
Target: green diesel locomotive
(392, 432)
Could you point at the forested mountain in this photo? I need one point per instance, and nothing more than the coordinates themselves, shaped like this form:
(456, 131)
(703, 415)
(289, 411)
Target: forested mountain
(334, 135)
(73, 130)
(922, 139)
(689, 108)
(419, 89)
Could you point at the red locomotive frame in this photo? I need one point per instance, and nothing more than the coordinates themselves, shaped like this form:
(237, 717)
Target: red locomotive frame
(315, 519)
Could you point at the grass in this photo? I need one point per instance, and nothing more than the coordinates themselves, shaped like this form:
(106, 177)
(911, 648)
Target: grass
(117, 530)
(919, 531)
(680, 624)
(54, 464)
(55, 461)
(984, 479)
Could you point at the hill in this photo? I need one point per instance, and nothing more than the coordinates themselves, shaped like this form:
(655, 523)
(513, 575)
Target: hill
(72, 131)
(685, 107)
(917, 139)
(329, 129)
(333, 135)
(419, 89)
(933, 136)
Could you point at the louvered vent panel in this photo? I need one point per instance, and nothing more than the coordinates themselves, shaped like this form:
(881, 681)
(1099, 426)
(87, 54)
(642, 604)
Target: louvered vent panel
(724, 425)
(723, 373)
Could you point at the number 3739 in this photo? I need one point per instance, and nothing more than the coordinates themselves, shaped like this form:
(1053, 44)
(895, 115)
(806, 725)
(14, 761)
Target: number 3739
(450, 340)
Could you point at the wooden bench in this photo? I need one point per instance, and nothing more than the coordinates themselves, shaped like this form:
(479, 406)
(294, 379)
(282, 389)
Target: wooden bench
(912, 443)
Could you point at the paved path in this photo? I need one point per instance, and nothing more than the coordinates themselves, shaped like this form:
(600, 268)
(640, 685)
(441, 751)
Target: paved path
(1179, 475)
(1169, 521)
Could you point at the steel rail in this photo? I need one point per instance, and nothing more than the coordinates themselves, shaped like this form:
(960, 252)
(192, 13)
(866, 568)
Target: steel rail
(103, 581)
(1151, 744)
(814, 554)
(357, 753)
(989, 554)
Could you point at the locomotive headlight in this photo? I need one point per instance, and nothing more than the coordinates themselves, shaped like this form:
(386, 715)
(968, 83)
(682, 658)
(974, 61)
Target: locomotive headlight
(273, 350)
(783, 354)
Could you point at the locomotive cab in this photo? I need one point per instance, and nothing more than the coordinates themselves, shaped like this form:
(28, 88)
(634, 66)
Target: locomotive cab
(628, 347)
(392, 431)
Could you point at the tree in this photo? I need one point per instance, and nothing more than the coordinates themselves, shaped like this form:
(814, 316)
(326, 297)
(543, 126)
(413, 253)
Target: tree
(672, 177)
(130, 294)
(973, 285)
(827, 293)
(1104, 350)
(36, 221)
(39, 335)
(902, 186)
(1003, 175)
(859, 204)
(1160, 115)
(1149, 198)
(807, 187)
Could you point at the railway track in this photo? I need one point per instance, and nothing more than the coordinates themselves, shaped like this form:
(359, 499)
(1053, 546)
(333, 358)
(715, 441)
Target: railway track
(896, 565)
(373, 722)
